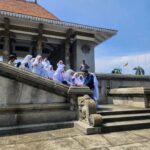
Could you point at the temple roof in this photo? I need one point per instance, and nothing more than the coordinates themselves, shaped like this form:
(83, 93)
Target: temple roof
(26, 8)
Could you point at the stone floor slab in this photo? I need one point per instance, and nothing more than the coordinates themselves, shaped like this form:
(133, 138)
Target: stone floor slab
(61, 144)
(92, 141)
(147, 143)
(143, 133)
(101, 148)
(135, 146)
(65, 133)
(25, 138)
(71, 139)
(123, 138)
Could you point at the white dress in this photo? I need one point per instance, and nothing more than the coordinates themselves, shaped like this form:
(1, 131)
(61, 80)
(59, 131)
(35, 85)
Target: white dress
(58, 76)
(96, 90)
(37, 66)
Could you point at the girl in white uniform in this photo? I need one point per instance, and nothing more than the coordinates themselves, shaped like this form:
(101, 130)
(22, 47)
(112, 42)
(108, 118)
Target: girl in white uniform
(59, 75)
(26, 63)
(37, 65)
(50, 72)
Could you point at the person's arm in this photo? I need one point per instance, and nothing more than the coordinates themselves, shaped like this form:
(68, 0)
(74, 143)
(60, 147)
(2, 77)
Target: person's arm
(87, 66)
(81, 68)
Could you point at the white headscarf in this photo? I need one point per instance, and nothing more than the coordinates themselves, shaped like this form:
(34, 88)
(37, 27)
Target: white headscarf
(68, 76)
(76, 78)
(26, 60)
(37, 65)
(46, 63)
(60, 65)
(58, 75)
(50, 71)
(80, 79)
(32, 60)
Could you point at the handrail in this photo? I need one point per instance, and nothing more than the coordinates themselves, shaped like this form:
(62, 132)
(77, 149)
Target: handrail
(32, 79)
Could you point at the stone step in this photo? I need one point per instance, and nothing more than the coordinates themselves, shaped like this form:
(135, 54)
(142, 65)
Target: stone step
(29, 107)
(125, 125)
(125, 117)
(86, 129)
(36, 117)
(128, 111)
(34, 128)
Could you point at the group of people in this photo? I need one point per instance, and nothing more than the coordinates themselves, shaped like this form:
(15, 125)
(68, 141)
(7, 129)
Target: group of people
(44, 68)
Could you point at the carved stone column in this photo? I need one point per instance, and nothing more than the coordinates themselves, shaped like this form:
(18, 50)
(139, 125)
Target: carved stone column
(67, 55)
(70, 33)
(6, 49)
(39, 40)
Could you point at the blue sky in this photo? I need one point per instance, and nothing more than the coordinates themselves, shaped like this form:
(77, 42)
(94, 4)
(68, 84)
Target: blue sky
(130, 17)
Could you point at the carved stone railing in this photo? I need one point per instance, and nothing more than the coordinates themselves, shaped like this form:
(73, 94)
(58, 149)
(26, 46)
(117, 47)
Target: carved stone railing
(74, 92)
(87, 111)
(27, 78)
(32, 79)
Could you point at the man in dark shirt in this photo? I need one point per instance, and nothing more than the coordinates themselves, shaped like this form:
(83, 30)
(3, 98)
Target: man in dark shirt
(84, 66)
(89, 80)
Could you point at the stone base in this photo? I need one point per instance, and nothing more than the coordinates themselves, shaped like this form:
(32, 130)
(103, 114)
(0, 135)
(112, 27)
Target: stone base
(86, 129)
(35, 114)
(34, 128)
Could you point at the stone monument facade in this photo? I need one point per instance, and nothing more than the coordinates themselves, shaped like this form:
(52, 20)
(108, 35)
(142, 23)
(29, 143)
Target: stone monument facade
(27, 28)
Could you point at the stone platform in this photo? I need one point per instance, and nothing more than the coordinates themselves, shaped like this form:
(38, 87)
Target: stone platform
(71, 139)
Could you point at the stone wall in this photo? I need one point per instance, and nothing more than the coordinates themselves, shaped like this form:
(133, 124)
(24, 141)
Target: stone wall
(22, 87)
(13, 92)
(110, 81)
(28, 99)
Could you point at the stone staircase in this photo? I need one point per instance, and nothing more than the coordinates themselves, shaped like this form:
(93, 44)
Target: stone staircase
(35, 117)
(123, 120)
(30, 103)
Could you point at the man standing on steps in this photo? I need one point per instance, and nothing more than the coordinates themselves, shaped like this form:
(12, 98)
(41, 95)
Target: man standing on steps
(84, 66)
(89, 81)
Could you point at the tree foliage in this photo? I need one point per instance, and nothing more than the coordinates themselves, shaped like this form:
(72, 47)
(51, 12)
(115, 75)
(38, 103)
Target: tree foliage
(139, 71)
(116, 71)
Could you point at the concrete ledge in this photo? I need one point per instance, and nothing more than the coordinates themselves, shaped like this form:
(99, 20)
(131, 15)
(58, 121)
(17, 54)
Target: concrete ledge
(122, 77)
(127, 91)
(79, 90)
(132, 97)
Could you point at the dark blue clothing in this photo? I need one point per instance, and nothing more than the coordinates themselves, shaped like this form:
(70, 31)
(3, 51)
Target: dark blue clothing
(89, 81)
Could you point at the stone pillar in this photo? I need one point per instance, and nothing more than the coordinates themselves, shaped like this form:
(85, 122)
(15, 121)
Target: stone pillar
(84, 50)
(6, 49)
(39, 40)
(67, 55)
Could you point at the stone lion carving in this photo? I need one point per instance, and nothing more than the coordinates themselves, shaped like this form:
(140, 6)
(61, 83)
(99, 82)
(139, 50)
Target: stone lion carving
(87, 111)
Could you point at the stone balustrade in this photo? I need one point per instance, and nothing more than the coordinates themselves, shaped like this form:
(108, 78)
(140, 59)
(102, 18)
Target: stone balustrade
(132, 97)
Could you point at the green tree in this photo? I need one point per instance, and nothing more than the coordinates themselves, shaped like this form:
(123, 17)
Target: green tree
(139, 71)
(116, 71)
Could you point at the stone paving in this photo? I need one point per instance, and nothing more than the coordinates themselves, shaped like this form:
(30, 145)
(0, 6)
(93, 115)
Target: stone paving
(72, 139)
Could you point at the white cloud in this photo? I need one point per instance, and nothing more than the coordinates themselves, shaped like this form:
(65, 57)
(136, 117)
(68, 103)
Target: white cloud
(107, 64)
